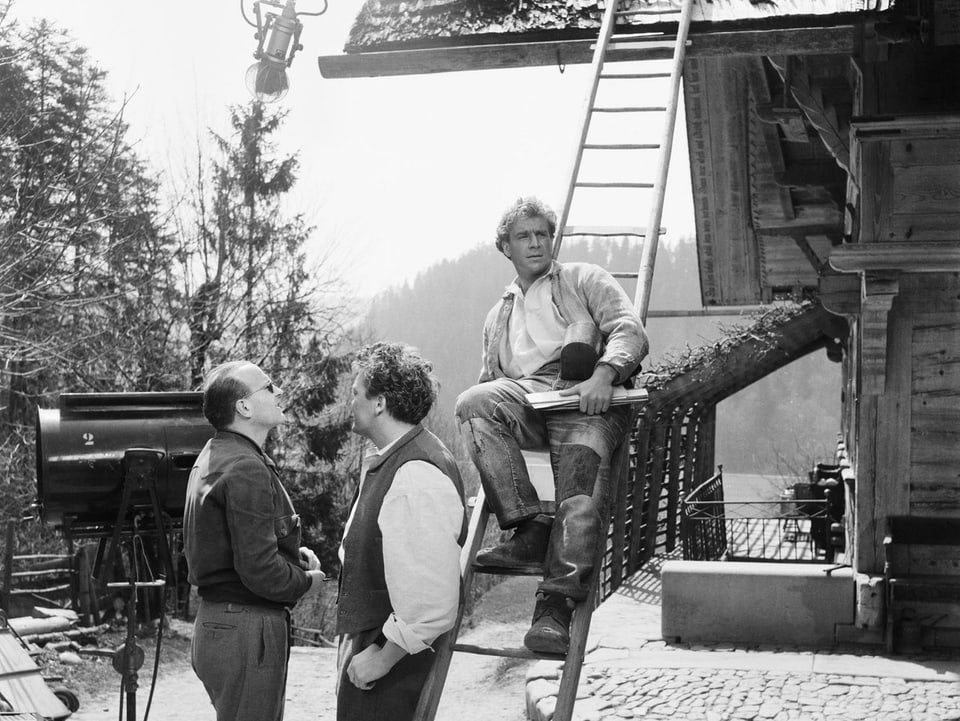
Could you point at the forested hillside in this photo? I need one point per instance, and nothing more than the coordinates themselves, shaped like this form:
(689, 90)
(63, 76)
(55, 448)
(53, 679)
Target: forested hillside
(777, 426)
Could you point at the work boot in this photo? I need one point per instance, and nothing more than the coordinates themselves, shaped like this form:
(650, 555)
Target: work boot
(550, 632)
(525, 549)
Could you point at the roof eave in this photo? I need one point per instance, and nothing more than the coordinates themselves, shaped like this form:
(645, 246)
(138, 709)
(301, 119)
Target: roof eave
(807, 35)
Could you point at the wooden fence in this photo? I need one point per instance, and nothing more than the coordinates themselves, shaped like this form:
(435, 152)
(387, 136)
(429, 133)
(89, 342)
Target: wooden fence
(48, 579)
(671, 450)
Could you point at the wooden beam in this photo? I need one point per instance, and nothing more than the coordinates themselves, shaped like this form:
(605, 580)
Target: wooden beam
(877, 297)
(840, 292)
(721, 311)
(822, 116)
(932, 125)
(837, 39)
(932, 257)
(802, 228)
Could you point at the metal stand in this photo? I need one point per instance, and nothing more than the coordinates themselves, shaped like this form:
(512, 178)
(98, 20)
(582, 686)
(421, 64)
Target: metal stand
(128, 659)
(140, 466)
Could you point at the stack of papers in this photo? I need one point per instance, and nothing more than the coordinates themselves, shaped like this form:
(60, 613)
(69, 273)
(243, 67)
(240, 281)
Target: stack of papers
(553, 400)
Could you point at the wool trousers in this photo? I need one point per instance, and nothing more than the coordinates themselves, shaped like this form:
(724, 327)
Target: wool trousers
(240, 653)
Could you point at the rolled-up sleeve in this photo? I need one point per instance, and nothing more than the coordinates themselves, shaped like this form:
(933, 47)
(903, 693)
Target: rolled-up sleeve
(252, 521)
(420, 521)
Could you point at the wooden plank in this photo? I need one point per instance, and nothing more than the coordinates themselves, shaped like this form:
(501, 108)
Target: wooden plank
(936, 497)
(673, 475)
(892, 471)
(769, 141)
(919, 257)
(836, 39)
(618, 481)
(728, 254)
(840, 292)
(636, 555)
(907, 153)
(785, 264)
(926, 189)
(941, 450)
(931, 293)
(903, 127)
(877, 299)
(869, 532)
(813, 220)
(706, 448)
(935, 398)
(870, 187)
(659, 442)
(922, 227)
(936, 340)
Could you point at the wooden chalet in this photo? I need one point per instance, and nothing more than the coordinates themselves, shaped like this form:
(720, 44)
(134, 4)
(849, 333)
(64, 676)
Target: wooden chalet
(824, 142)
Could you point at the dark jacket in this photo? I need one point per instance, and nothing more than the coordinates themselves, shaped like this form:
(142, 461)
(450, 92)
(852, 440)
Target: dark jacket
(364, 602)
(241, 536)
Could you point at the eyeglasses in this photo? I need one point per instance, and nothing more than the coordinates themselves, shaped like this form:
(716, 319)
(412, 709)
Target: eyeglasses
(269, 386)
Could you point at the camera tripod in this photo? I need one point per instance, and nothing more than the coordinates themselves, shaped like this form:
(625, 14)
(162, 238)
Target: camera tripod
(140, 473)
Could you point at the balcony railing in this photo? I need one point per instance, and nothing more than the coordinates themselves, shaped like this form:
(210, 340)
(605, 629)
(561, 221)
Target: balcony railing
(784, 530)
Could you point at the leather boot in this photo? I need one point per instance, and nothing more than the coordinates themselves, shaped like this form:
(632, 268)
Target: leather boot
(550, 631)
(573, 548)
(525, 549)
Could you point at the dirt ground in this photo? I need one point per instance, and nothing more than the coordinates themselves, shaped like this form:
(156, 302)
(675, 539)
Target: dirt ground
(478, 688)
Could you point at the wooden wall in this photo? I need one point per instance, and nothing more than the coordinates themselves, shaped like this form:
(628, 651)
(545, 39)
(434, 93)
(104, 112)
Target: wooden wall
(935, 398)
(906, 437)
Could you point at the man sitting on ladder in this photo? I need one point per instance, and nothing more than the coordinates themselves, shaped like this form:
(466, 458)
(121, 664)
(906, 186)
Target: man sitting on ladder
(567, 327)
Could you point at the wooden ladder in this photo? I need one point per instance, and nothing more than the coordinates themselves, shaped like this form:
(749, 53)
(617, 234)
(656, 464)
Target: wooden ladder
(447, 644)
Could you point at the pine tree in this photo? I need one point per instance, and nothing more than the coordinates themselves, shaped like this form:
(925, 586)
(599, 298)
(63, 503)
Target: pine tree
(252, 294)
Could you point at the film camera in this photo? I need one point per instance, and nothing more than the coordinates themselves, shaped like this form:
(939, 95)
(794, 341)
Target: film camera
(115, 466)
(97, 449)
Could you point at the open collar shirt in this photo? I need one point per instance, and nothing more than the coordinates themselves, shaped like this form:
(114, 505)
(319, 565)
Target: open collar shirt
(535, 330)
(580, 292)
(420, 521)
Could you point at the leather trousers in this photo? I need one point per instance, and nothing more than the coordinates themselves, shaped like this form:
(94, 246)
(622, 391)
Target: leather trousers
(497, 423)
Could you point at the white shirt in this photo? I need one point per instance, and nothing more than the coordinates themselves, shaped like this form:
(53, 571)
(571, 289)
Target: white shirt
(420, 521)
(535, 330)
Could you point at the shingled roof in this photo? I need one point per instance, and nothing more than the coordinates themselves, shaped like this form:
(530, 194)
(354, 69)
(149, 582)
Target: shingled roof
(386, 24)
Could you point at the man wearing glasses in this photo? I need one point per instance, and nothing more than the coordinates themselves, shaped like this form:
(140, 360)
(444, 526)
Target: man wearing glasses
(241, 539)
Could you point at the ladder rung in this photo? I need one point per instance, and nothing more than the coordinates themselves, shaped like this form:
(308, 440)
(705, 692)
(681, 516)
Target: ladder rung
(613, 185)
(622, 146)
(504, 571)
(634, 43)
(505, 652)
(644, 37)
(633, 76)
(605, 231)
(629, 109)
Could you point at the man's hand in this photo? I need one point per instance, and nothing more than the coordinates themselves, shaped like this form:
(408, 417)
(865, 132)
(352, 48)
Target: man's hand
(309, 560)
(595, 392)
(372, 663)
(311, 564)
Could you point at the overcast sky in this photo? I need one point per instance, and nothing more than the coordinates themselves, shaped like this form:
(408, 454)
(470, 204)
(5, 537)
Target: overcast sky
(396, 173)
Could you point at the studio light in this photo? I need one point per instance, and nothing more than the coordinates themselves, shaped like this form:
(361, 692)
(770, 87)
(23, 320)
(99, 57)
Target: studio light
(278, 40)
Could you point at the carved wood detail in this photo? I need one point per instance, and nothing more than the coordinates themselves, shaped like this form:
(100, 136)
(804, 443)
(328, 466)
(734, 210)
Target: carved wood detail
(877, 294)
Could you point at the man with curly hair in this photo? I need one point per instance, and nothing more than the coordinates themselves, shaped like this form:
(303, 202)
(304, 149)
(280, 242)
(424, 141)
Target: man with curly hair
(567, 327)
(400, 584)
